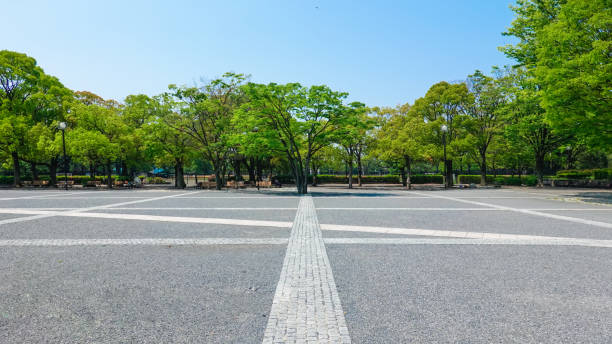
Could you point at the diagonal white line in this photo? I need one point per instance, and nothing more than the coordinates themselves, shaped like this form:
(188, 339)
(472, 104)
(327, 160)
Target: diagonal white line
(43, 214)
(429, 241)
(306, 305)
(142, 242)
(38, 196)
(524, 211)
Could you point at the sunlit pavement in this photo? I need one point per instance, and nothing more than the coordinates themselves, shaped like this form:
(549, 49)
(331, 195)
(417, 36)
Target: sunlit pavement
(367, 266)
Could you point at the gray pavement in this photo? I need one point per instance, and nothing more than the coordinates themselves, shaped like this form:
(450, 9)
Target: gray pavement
(204, 266)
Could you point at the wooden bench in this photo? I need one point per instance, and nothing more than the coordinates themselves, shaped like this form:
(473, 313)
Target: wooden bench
(93, 183)
(40, 183)
(207, 184)
(62, 183)
(264, 184)
(233, 184)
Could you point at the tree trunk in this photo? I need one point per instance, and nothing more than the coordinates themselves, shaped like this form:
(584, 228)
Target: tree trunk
(449, 173)
(539, 158)
(314, 174)
(218, 177)
(403, 174)
(92, 170)
(180, 176)
(34, 171)
(483, 170)
(306, 175)
(408, 172)
(16, 170)
(251, 168)
(359, 170)
(350, 173)
(109, 174)
(53, 172)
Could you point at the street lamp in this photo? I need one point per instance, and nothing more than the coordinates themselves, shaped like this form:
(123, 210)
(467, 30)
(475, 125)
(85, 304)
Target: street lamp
(444, 129)
(62, 126)
(255, 130)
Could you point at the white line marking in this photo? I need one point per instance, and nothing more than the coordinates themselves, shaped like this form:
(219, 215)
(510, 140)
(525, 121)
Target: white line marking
(469, 209)
(66, 213)
(443, 233)
(306, 305)
(37, 196)
(152, 242)
(427, 241)
(526, 211)
(8, 210)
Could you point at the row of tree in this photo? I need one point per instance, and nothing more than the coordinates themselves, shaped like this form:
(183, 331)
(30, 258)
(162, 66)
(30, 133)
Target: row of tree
(556, 100)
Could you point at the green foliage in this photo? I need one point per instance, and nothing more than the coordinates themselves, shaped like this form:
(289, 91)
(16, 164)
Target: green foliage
(601, 173)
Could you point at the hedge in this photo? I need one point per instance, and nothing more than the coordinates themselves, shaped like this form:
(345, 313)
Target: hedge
(600, 173)
(499, 180)
(473, 178)
(384, 179)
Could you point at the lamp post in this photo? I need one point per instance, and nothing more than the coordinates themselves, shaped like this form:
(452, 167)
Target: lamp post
(256, 130)
(62, 126)
(444, 129)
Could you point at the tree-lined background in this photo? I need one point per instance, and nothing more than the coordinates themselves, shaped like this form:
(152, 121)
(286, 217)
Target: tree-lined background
(547, 114)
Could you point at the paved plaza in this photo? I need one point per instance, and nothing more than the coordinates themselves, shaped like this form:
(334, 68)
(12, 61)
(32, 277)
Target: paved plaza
(511, 265)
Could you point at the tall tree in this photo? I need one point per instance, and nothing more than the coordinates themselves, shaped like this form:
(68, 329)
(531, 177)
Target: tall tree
(19, 82)
(446, 104)
(483, 123)
(303, 120)
(207, 118)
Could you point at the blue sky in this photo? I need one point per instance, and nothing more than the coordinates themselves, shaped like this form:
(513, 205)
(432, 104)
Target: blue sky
(381, 52)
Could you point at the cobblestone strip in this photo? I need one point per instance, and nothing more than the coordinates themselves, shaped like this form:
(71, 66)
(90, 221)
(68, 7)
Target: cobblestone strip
(306, 306)
(142, 242)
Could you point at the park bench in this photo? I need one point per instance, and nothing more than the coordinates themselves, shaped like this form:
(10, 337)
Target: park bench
(207, 184)
(265, 184)
(27, 183)
(62, 183)
(234, 184)
(40, 183)
(93, 183)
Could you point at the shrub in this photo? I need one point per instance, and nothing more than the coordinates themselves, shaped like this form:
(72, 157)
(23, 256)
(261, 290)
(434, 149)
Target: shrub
(473, 179)
(574, 174)
(156, 180)
(602, 173)
(426, 179)
(530, 180)
(7, 180)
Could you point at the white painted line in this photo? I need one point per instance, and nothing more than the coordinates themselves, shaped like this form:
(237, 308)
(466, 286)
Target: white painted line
(202, 208)
(37, 196)
(469, 209)
(443, 233)
(427, 241)
(147, 242)
(526, 211)
(235, 222)
(44, 214)
(306, 305)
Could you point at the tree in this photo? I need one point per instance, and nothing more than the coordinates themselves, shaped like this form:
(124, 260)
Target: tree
(574, 68)
(103, 130)
(484, 121)
(19, 81)
(447, 104)
(207, 114)
(402, 140)
(303, 120)
(165, 144)
(565, 46)
(351, 134)
(526, 122)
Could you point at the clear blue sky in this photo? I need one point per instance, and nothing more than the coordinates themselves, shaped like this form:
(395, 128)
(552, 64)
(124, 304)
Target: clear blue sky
(381, 52)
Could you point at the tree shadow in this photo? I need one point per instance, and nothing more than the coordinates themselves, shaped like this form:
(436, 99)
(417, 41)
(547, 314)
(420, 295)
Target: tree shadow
(594, 197)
